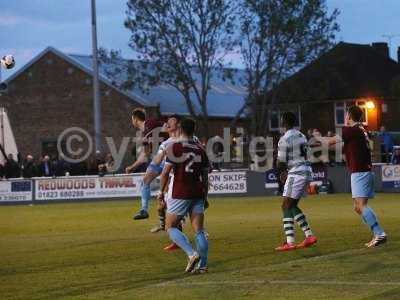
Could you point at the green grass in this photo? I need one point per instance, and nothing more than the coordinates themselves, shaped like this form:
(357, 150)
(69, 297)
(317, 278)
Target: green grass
(95, 251)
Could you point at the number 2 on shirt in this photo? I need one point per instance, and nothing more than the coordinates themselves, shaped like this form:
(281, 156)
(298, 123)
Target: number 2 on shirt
(190, 161)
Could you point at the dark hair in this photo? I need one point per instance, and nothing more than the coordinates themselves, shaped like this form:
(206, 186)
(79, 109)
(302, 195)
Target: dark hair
(288, 119)
(138, 113)
(188, 126)
(175, 116)
(355, 113)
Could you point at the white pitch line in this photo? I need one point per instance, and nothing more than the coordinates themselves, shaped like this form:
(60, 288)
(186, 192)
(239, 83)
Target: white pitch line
(181, 282)
(276, 282)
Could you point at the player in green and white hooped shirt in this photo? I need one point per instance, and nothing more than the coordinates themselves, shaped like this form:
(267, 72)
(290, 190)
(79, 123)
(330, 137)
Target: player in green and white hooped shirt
(292, 159)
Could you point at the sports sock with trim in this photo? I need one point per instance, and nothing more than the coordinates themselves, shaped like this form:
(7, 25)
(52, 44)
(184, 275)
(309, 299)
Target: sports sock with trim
(288, 225)
(301, 220)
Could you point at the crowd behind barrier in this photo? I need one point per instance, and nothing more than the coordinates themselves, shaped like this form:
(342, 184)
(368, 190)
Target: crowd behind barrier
(100, 164)
(239, 182)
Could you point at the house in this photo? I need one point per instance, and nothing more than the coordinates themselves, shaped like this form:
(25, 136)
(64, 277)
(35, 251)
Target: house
(54, 92)
(348, 74)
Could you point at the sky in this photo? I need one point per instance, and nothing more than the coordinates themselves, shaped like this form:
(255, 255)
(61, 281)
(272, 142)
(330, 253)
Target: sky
(29, 26)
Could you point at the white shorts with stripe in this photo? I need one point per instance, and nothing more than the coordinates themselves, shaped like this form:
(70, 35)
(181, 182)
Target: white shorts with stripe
(296, 186)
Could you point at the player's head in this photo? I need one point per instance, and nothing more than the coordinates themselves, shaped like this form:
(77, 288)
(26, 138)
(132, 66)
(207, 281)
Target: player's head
(354, 114)
(173, 123)
(138, 117)
(288, 120)
(188, 127)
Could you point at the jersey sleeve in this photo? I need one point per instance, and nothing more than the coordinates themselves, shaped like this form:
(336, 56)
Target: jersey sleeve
(282, 150)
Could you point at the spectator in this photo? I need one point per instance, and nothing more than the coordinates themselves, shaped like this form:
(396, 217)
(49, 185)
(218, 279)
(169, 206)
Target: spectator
(77, 168)
(396, 156)
(107, 166)
(316, 133)
(2, 171)
(12, 169)
(331, 151)
(387, 142)
(309, 134)
(92, 166)
(29, 168)
(46, 167)
(330, 134)
(61, 167)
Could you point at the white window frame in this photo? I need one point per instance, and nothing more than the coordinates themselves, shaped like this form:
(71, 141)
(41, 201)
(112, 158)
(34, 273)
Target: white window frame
(363, 104)
(344, 112)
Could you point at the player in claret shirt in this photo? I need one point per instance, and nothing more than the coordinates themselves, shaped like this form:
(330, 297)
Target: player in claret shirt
(358, 159)
(153, 135)
(188, 161)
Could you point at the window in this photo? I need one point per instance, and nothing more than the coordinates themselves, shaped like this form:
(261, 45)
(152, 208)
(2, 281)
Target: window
(340, 111)
(341, 107)
(363, 105)
(274, 120)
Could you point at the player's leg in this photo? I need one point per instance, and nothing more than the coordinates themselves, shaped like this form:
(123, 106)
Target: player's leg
(362, 187)
(301, 220)
(176, 209)
(151, 173)
(197, 220)
(161, 210)
(299, 189)
(288, 217)
(172, 246)
(369, 218)
(288, 225)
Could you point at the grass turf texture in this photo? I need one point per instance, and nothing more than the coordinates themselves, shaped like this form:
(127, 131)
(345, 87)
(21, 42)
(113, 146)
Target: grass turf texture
(96, 251)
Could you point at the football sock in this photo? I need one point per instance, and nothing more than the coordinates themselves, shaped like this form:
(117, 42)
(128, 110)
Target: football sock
(202, 248)
(179, 238)
(161, 217)
(288, 225)
(370, 219)
(301, 220)
(146, 195)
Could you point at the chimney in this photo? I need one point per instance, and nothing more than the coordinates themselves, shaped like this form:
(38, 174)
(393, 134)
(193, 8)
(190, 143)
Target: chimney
(382, 48)
(398, 55)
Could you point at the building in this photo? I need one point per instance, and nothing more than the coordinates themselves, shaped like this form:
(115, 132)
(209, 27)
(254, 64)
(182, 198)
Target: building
(347, 74)
(54, 92)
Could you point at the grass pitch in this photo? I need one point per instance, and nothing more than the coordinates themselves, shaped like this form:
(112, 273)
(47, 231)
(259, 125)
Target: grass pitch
(96, 251)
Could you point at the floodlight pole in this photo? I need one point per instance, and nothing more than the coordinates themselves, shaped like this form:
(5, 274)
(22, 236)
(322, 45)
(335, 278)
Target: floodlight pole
(96, 92)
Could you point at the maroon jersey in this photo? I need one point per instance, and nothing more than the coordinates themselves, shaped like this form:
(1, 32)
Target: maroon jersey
(356, 148)
(189, 160)
(151, 127)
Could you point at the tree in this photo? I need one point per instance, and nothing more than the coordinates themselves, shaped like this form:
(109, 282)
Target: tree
(278, 38)
(181, 43)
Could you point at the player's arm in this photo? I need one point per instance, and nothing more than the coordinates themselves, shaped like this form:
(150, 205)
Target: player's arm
(334, 140)
(164, 178)
(281, 161)
(141, 160)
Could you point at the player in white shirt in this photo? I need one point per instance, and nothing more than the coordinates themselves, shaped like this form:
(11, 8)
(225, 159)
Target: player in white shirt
(292, 158)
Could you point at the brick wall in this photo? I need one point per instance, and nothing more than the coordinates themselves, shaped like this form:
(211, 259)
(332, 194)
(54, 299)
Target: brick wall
(53, 95)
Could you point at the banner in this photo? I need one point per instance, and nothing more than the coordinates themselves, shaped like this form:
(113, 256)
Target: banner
(15, 190)
(391, 176)
(319, 175)
(87, 187)
(227, 182)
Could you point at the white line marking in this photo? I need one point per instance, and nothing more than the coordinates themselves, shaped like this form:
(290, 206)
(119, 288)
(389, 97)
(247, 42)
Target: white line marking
(276, 282)
(184, 282)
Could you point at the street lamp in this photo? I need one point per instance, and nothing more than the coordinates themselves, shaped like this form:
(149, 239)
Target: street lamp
(370, 104)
